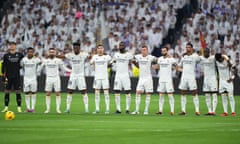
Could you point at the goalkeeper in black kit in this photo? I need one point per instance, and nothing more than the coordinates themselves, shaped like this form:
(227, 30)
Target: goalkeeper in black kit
(11, 75)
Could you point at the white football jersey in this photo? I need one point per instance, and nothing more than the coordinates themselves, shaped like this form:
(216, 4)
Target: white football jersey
(223, 70)
(30, 67)
(77, 62)
(209, 67)
(165, 71)
(122, 61)
(145, 64)
(101, 66)
(52, 66)
(188, 64)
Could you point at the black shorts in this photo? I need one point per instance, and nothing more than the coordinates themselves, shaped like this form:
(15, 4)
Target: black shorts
(13, 82)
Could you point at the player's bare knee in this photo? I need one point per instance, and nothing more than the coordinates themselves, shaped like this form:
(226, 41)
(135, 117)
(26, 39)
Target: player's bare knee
(106, 91)
(117, 91)
(148, 94)
(97, 91)
(194, 92)
(70, 91)
(83, 92)
(138, 92)
(27, 93)
(48, 93)
(127, 91)
(57, 93)
(183, 92)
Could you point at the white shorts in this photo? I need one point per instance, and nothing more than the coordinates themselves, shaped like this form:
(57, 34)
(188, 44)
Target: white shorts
(165, 87)
(188, 84)
(77, 82)
(101, 83)
(122, 83)
(29, 85)
(210, 85)
(224, 86)
(145, 84)
(53, 83)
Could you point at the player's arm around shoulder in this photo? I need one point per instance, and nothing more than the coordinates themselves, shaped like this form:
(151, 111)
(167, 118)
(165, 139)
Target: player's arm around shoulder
(155, 63)
(135, 60)
(62, 65)
(41, 65)
(92, 60)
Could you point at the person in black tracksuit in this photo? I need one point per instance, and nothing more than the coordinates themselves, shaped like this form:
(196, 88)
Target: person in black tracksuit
(11, 75)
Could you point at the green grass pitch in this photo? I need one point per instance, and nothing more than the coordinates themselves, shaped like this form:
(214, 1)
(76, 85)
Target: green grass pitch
(80, 128)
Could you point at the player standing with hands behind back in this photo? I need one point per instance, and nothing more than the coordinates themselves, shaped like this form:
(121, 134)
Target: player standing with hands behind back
(11, 75)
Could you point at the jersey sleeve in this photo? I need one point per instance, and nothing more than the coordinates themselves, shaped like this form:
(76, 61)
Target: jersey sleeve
(22, 62)
(38, 60)
(197, 57)
(130, 56)
(68, 56)
(85, 55)
(136, 57)
(109, 58)
(4, 63)
(92, 60)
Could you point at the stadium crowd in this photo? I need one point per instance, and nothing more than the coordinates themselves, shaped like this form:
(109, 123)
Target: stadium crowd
(44, 24)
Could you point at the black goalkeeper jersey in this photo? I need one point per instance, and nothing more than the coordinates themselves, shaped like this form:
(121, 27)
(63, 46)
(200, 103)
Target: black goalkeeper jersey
(11, 64)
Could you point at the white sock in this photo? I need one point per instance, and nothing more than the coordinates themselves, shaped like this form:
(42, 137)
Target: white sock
(214, 102)
(85, 101)
(34, 99)
(138, 101)
(69, 101)
(58, 102)
(117, 100)
(48, 102)
(171, 102)
(128, 101)
(107, 100)
(161, 102)
(97, 100)
(225, 103)
(232, 102)
(27, 100)
(147, 102)
(183, 102)
(196, 102)
(208, 102)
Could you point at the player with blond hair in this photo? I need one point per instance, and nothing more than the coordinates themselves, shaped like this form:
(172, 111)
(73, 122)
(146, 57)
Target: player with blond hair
(145, 81)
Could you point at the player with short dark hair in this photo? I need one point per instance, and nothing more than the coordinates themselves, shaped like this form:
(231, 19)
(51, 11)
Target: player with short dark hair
(77, 60)
(101, 81)
(165, 84)
(188, 78)
(11, 75)
(122, 78)
(226, 76)
(209, 81)
(52, 66)
(30, 64)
